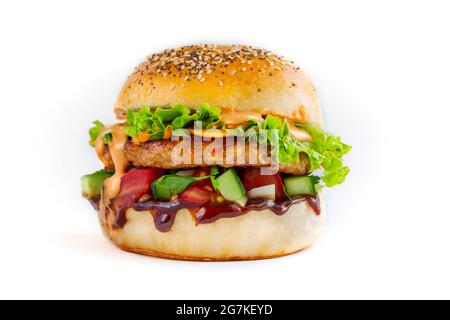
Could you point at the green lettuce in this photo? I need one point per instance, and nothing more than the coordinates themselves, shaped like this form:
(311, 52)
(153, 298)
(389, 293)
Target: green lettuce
(325, 152)
(170, 114)
(155, 122)
(94, 132)
(328, 151)
(214, 173)
(167, 186)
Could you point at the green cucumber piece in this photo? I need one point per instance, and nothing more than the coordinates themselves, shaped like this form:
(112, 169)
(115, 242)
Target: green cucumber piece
(92, 184)
(231, 188)
(300, 186)
(242, 201)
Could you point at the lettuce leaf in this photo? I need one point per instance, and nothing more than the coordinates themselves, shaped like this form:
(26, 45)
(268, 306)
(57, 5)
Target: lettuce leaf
(169, 115)
(324, 153)
(208, 115)
(214, 173)
(328, 153)
(167, 186)
(94, 132)
(107, 138)
(155, 122)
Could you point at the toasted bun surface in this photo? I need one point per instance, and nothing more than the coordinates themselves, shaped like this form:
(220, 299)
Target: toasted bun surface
(240, 78)
(256, 235)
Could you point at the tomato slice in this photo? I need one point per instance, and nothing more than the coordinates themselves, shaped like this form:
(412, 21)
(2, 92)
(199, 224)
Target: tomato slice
(202, 191)
(204, 184)
(196, 195)
(254, 179)
(134, 185)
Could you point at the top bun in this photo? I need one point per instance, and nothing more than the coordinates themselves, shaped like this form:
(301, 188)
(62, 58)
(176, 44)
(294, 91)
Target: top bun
(241, 78)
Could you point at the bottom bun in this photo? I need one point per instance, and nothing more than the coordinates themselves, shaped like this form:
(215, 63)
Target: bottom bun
(255, 235)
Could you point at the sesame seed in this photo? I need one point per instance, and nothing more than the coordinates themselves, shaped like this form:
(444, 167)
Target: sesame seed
(220, 83)
(193, 62)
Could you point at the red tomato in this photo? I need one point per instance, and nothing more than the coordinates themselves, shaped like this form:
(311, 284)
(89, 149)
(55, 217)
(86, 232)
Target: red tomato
(196, 195)
(202, 191)
(204, 184)
(134, 185)
(254, 179)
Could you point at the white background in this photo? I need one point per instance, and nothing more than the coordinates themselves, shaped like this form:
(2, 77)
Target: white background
(383, 74)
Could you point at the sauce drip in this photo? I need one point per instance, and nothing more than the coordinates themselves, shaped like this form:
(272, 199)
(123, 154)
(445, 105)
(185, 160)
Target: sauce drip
(233, 119)
(164, 213)
(117, 151)
(111, 186)
(100, 146)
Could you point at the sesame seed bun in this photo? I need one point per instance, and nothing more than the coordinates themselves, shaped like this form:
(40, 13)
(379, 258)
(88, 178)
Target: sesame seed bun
(255, 235)
(241, 78)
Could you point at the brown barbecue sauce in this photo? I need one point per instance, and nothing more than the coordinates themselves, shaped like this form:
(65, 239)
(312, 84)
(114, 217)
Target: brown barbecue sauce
(164, 213)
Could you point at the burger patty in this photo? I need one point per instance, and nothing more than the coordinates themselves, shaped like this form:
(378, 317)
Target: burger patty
(158, 154)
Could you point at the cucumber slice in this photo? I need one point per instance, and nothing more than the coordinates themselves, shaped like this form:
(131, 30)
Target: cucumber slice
(242, 201)
(92, 184)
(300, 186)
(231, 188)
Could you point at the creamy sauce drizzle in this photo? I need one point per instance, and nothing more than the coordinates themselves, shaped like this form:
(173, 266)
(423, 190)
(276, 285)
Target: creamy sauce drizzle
(111, 186)
(211, 133)
(234, 118)
(100, 145)
(117, 150)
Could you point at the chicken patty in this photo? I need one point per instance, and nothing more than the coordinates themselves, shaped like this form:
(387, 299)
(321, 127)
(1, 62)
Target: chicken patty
(171, 155)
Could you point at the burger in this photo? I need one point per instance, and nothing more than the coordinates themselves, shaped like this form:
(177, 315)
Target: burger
(218, 154)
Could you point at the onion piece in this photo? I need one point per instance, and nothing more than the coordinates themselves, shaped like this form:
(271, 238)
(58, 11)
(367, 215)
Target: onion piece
(299, 134)
(264, 192)
(185, 173)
